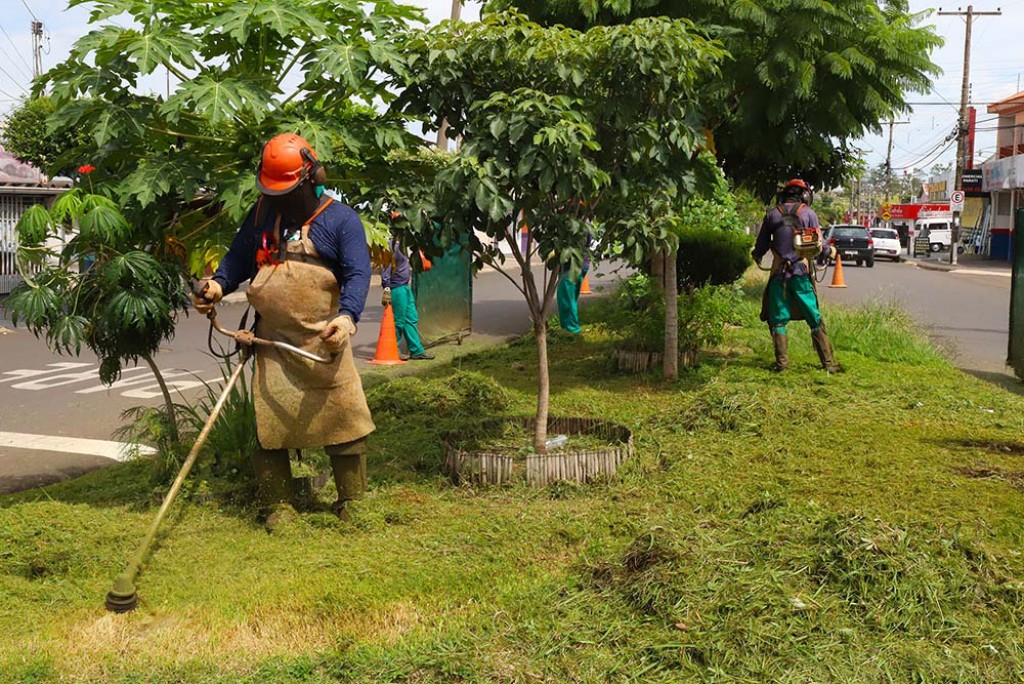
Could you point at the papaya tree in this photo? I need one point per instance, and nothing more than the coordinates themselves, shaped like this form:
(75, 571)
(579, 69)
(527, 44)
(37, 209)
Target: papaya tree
(177, 166)
(88, 284)
(575, 134)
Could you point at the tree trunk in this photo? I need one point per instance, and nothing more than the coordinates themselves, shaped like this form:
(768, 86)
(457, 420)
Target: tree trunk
(658, 269)
(671, 356)
(168, 403)
(540, 432)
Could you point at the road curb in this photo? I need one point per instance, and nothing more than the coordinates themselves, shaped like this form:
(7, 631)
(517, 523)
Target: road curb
(933, 266)
(965, 269)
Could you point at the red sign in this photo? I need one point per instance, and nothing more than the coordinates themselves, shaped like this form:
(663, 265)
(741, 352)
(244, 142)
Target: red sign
(912, 212)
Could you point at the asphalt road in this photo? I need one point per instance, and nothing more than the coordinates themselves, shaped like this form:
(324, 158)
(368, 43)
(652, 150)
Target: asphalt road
(57, 419)
(966, 311)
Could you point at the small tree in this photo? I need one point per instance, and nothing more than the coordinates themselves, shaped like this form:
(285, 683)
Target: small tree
(571, 133)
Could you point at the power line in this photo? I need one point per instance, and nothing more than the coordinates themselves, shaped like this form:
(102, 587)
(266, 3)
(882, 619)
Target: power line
(28, 69)
(931, 161)
(16, 82)
(947, 141)
(29, 10)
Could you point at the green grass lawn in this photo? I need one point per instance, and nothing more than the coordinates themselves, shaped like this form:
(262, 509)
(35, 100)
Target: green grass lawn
(864, 527)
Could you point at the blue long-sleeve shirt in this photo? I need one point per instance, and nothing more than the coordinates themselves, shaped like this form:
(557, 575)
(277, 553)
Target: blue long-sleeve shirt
(398, 274)
(339, 238)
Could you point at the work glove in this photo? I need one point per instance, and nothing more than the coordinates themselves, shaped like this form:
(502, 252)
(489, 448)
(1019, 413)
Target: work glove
(207, 296)
(385, 299)
(337, 332)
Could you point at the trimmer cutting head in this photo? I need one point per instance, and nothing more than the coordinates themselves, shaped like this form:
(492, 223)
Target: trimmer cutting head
(122, 598)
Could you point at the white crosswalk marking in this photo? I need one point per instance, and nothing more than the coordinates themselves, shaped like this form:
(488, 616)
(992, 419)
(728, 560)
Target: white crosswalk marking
(34, 373)
(118, 451)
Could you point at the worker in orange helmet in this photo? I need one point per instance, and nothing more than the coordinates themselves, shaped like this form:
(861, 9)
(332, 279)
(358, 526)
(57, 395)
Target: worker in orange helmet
(308, 264)
(791, 232)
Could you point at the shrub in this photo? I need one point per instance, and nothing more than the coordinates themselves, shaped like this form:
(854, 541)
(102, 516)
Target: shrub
(636, 312)
(711, 256)
(226, 452)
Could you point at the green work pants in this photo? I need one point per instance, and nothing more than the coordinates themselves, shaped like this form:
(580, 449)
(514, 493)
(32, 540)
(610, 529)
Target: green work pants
(787, 296)
(403, 305)
(568, 296)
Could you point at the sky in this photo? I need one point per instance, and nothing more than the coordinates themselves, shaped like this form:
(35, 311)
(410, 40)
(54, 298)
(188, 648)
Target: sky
(997, 70)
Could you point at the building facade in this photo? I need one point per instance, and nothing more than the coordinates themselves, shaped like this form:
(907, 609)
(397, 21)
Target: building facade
(21, 186)
(1003, 174)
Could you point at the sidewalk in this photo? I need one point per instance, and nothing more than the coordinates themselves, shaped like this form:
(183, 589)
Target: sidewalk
(968, 264)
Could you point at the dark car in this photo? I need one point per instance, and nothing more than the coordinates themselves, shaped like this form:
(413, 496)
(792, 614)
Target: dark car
(853, 243)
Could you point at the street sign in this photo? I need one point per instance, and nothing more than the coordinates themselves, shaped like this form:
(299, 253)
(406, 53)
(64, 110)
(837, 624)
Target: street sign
(886, 216)
(956, 200)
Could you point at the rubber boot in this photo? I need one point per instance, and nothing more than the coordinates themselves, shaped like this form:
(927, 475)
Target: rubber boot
(823, 346)
(781, 343)
(273, 486)
(348, 461)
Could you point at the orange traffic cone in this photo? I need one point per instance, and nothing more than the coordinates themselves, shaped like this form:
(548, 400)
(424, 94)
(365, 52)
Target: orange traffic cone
(585, 285)
(387, 342)
(837, 275)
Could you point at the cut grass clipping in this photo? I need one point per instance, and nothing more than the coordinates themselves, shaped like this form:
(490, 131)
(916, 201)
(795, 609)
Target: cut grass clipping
(799, 527)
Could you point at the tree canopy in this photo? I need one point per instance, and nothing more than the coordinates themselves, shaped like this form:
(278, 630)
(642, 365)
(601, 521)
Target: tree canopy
(804, 78)
(27, 136)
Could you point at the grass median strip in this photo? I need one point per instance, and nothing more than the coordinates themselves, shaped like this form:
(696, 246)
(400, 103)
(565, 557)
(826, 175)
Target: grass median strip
(793, 527)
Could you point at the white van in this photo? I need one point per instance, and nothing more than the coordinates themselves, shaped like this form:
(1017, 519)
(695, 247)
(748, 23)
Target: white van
(938, 233)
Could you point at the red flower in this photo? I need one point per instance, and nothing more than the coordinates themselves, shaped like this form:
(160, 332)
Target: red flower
(87, 169)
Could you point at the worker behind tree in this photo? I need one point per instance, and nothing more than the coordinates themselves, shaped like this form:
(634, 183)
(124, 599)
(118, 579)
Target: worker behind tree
(396, 279)
(792, 233)
(568, 293)
(309, 265)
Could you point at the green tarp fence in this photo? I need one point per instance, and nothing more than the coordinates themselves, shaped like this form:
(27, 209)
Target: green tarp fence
(1015, 351)
(444, 298)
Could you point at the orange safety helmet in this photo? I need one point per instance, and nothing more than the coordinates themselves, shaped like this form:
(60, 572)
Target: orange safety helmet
(805, 193)
(287, 161)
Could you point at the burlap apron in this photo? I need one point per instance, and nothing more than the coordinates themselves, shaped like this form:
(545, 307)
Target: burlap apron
(302, 403)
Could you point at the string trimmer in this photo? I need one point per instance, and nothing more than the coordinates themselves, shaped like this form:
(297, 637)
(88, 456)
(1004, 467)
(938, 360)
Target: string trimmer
(123, 597)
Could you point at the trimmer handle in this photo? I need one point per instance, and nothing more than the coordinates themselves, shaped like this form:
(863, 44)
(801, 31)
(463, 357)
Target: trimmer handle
(200, 288)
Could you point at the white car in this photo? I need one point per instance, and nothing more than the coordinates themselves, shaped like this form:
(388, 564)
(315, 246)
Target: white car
(887, 243)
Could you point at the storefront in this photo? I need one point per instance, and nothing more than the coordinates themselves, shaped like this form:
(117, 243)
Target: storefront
(1004, 181)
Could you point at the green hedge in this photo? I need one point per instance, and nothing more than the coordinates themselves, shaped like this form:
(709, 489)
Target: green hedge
(710, 256)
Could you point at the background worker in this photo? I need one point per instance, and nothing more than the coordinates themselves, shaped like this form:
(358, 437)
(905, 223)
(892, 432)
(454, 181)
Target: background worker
(395, 278)
(309, 264)
(790, 293)
(568, 294)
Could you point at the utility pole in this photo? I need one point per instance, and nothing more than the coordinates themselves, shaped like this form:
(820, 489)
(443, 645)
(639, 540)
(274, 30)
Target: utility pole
(442, 132)
(888, 159)
(37, 49)
(961, 141)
